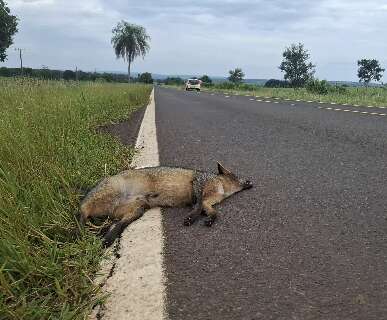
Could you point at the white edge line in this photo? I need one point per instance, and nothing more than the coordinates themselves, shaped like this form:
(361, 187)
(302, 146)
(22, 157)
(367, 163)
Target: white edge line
(137, 286)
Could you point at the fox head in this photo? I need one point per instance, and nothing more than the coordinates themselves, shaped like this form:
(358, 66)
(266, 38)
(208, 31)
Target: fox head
(232, 182)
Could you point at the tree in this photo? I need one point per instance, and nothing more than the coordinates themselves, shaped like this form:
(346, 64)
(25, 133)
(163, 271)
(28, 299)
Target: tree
(296, 66)
(274, 83)
(130, 41)
(369, 70)
(69, 75)
(206, 79)
(8, 27)
(236, 76)
(145, 77)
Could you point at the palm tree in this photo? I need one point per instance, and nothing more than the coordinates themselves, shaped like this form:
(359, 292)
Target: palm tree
(130, 41)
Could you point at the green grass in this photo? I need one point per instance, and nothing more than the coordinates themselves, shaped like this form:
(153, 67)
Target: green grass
(49, 152)
(359, 96)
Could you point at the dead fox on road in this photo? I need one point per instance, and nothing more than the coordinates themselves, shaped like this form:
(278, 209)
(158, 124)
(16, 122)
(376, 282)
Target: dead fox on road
(128, 195)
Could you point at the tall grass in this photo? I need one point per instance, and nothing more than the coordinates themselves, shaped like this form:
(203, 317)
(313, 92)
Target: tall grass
(49, 153)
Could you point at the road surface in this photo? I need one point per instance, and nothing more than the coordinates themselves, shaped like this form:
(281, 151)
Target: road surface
(309, 241)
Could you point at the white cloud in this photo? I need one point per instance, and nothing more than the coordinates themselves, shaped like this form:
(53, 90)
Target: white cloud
(204, 36)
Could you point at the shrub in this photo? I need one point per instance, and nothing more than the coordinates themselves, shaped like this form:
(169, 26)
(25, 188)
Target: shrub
(274, 83)
(318, 86)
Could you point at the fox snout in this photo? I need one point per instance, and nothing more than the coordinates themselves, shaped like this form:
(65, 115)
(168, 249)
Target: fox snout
(247, 185)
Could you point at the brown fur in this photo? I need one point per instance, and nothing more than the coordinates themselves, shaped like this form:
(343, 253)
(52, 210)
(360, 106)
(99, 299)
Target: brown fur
(126, 196)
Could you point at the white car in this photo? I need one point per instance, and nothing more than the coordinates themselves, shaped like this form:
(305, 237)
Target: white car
(193, 84)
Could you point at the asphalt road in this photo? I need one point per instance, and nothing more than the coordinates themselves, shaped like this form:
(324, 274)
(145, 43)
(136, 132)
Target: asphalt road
(309, 241)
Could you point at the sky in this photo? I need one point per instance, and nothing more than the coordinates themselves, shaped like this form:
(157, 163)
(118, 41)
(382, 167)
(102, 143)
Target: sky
(203, 37)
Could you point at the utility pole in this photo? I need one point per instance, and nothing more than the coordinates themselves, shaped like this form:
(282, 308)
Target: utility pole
(21, 59)
(76, 73)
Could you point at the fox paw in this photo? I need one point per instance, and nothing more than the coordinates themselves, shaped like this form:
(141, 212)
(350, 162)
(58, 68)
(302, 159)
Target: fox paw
(209, 221)
(188, 221)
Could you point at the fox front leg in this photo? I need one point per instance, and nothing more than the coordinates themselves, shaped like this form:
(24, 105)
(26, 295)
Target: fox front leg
(208, 204)
(197, 185)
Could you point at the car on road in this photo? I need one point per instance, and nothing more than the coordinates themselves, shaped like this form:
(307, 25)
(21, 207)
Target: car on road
(193, 84)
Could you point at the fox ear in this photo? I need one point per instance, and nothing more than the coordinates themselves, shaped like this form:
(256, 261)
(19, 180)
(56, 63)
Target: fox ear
(223, 170)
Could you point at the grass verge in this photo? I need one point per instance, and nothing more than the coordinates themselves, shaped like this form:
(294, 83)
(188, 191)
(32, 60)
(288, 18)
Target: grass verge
(353, 96)
(49, 153)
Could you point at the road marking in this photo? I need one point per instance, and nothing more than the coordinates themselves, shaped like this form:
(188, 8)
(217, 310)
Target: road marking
(136, 286)
(227, 96)
(382, 114)
(276, 98)
(267, 97)
(346, 110)
(364, 112)
(251, 99)
(212, 94)
(259, 100)
(329, 108)
(292, 104)
(276, 102)
(298, 100)
(355, 111)
(374, 113)
(267, 101)
(337, 109)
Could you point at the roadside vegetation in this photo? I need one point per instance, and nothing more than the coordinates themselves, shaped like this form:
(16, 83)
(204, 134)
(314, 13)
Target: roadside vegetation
(50, 155)
(300, 84)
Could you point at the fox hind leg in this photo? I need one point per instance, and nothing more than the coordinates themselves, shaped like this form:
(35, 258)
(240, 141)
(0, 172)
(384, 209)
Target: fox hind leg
(128, 212)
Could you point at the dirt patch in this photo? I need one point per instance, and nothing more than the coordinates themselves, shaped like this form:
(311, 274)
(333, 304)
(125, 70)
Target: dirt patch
(125, 131)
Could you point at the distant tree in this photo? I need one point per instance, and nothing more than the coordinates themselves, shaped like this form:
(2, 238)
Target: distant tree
(295, 65)
(69, 75)
(369, 69)
(174, 81)
(8, 27)
(206, 79)
(5, 72)
(130, 41)
(236, 76)
(274, 83)
(145, 77)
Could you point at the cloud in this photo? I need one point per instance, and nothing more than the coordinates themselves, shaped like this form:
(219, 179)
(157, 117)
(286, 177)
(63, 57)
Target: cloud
(204, 36)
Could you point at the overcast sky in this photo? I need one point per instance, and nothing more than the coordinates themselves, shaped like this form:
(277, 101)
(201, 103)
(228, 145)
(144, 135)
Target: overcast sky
(203, 37)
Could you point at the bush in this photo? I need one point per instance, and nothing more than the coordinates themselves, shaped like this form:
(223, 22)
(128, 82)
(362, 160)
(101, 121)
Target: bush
(318, 86)
(274, 83)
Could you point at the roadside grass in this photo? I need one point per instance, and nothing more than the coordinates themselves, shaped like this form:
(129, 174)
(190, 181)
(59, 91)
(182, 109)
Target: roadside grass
(49, 155)
(352, 96)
